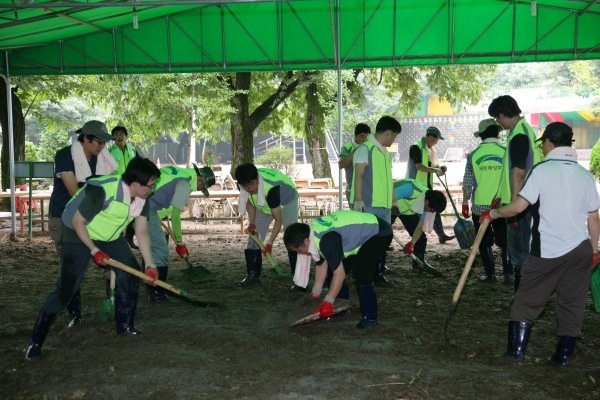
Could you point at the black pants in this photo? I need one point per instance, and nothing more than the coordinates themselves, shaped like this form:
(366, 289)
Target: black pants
(73, 264)
(364, 263)
(410, 223)
(495, 232)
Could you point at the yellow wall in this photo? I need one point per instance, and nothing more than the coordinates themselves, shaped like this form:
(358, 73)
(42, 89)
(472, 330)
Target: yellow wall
(437, 107)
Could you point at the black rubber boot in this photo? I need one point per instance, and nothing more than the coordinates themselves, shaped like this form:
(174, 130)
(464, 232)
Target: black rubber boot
(293, 257)
(368, 306)
(415, 266)
(518, 337)
(156, 293)
(507, 268)
(125, 305)
(40, 331)
(129, 234)
(487, 257)
(74, 308)
(439, 230)
(253, 266)
(564, 350)
(517, 279)
(344, 292)
(379, 274)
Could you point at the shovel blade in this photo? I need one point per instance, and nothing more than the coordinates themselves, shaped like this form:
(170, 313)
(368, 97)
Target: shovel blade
(198, 274)
(464, 230)
(106, 311)
(431, 270)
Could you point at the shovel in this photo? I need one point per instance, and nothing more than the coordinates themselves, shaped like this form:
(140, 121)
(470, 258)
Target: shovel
(316, 317)
(423, 264)
(179, 292)
(464, 230)
(269, 256)
(106, 308)
(463, 277)
(195, 274)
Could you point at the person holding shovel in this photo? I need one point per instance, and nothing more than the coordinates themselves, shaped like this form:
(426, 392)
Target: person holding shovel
(480, 184)
(171, 196)
(372, 190)
(417, 207)
(361, 131)
(422, 165)
(342, 241)
(564, 243)
(91, 228)
(268, 195)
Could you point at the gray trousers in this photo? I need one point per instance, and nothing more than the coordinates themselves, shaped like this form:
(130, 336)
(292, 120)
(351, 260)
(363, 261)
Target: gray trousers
(158, 241)
(569, 274)
(289, 215)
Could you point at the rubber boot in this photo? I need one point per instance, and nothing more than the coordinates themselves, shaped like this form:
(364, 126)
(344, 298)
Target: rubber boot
(167, 236)
(517, 279)
(368, 306)
(125, 305)
(293, 257)
(156, 293)
(129, 234)
(74, 308)
(439, 230)
(507, 268)
(518, 337)
(344, 293)
(564, 350)
(379, 275)
(40, 331)
(253, 266)
(487, 257)
(415, 266)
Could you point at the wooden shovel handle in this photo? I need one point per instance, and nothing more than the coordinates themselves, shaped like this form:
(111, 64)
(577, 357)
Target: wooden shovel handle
(141, 275)
(169, 231)
(262, 247)
(467, 269)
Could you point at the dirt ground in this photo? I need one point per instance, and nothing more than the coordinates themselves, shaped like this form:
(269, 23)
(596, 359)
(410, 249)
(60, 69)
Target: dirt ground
(247, 350)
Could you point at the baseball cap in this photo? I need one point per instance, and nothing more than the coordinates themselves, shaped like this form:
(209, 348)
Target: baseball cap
(484, 124)
(433, 131)
(558, 132)
(98, 129)
(207, 175)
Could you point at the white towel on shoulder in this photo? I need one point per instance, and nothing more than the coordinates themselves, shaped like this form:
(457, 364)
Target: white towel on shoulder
(302, 274)
(261, 200)
(135, 207)
(105, 165)
(419, 208)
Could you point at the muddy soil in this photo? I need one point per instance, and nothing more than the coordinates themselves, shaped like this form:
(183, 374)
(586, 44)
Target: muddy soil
(247, 350)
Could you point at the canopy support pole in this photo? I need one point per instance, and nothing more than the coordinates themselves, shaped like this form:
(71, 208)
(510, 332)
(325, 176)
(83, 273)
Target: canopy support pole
(11, 149)
(339, 101)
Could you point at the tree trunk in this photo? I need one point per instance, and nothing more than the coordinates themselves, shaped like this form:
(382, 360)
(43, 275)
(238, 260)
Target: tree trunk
(192, 114)
(242, 143)
(18, 128)
(315, 134)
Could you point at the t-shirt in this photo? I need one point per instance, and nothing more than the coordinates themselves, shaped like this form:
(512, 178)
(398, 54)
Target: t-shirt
(562, 194)
(63, 162)
(181, 196)
(89, 207)
(416, 155)
(519, 149)
(361, 155)
(273, 197)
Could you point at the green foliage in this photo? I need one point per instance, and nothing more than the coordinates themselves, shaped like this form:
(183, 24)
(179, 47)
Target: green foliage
(587, 74)
(50, 142)
(280, 158)
(30, 152)
(595, 160)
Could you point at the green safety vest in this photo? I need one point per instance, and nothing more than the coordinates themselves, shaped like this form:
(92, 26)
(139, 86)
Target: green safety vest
(406, 203)
(121, 157)
(535, 156)
(377, 180)
(487, 168)
(425, 178)
(109, 223)
(165, 188)
(270, 178)
(354, 227)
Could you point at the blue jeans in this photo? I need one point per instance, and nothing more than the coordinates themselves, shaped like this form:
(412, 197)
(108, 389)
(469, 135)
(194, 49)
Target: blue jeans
(382, 212)
(519, 240)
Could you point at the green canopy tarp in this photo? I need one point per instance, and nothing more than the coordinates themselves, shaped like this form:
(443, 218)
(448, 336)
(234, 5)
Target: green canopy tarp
(80, 37)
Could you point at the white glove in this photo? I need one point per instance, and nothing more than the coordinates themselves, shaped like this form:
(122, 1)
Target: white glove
(359, 206)
(439, 172)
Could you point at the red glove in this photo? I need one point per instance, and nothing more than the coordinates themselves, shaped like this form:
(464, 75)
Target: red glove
(152, 272)
(512, 221)
(486, 215)
(99, 257)
(465, 211)
(325, 310)
(316, 296)
(268, 249)
(409, 248)
(496, 203)
(594, 261)
(182, 250)
(252, 229)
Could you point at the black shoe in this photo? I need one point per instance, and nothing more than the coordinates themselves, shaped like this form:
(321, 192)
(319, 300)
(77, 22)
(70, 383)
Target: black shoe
(368, 306)
(564, 350)
(253, 267)
(40, 331)
(380, 279)
(74, 308)
(154, 292)
(488, 279)
(444, 238)
(518, 337)
(125, 305)
(390, 248)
